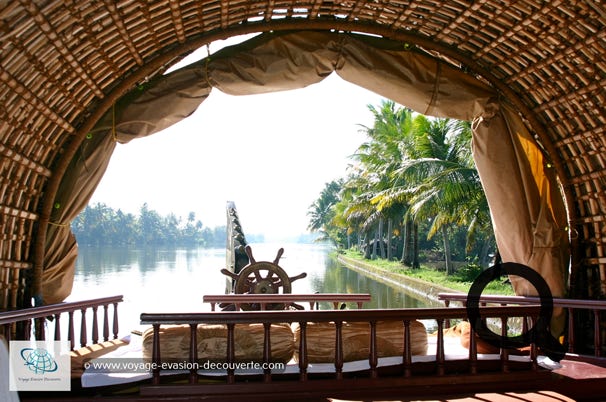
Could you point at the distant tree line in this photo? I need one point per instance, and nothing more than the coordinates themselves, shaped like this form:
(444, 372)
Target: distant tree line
(100, 224)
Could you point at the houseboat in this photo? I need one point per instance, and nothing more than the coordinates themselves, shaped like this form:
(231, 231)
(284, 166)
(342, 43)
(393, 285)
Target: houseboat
(76, 78)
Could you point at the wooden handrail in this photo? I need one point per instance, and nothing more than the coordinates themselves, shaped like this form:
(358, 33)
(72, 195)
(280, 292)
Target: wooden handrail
(7, 317)
(248, 317)
(372, 316)
(288, 298)
(499, 299)
(595, 306)
(37, 316)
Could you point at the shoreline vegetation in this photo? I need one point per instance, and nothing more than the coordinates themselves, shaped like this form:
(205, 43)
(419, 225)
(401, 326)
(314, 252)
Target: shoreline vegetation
(412, 194)
(430, 280)
(101, 225)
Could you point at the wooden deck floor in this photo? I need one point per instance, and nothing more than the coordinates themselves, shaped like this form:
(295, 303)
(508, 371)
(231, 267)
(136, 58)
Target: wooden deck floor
(581, 370)
(539, 396)
(574, 381)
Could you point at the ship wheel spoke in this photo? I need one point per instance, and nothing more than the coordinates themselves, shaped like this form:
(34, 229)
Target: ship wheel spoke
(258, 276)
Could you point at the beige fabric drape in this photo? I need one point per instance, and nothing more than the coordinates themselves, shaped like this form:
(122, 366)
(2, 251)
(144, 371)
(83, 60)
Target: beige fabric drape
(528, 217)
(142, 112)
(528, 212)
(79, 182)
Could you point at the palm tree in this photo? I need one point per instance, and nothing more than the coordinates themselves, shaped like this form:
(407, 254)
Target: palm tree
(388, 145)
(151, 227)
(412, 172)
(442, 184)
(321, 211)
(359, 212)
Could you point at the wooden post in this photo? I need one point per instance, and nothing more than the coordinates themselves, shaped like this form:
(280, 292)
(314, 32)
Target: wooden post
(95, 326)
(504, 351)
(231, 351)
(105, 323)
(373, 359)
(156, 354)
(473, 350)
(83, 334)
(70, 330)
(440, 347)
(58, 326)
(407, 354)
(115, 321)
(193, 353)
(266, 351)
(339, 349)
(303, 351)
(571, 340)
(597, 336)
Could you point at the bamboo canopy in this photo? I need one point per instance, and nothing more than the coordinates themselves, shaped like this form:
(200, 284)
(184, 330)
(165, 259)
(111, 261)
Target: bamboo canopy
(77, 77)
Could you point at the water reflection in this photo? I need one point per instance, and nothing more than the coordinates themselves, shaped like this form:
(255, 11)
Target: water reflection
(174, 280)
(337, 278)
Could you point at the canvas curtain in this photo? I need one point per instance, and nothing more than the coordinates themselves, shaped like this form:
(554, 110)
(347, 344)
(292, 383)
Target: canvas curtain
(79, 182)
(529, 229)
(142, 112)
(528, 213)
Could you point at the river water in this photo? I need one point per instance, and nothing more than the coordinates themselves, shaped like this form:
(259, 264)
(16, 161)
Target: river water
(174, 280)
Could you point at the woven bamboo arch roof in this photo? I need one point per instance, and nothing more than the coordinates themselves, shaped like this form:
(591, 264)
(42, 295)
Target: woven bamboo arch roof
(64, 64)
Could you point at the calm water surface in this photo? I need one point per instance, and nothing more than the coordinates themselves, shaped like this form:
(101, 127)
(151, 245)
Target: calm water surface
(174, 280)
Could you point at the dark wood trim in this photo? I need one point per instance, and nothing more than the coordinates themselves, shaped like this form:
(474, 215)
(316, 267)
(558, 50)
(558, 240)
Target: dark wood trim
(287, 298)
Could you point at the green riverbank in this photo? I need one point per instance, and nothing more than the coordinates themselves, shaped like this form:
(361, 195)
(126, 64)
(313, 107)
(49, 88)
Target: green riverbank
(425, 283)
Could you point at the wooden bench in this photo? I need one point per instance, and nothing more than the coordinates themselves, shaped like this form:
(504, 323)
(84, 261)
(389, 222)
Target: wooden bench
(409, 374)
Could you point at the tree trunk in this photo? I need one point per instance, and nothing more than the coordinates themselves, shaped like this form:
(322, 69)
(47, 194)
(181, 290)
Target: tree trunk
(484, 259)
(374, 245)
(365, 246)
(408, 243)
(399, 241)
(447, 256)
(415, 246)
(380, 238)
(389, 234)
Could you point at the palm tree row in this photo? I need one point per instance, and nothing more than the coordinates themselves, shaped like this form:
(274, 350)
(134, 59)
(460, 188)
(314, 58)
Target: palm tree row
(100, 225)
(414, 178)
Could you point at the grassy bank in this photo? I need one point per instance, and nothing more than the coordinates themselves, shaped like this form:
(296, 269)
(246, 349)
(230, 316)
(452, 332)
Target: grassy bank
(460, 281)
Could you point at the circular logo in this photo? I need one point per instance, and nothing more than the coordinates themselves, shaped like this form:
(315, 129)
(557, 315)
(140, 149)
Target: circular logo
(39, 360)
(539, 334)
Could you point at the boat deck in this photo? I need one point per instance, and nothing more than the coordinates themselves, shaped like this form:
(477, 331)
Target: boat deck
(574, 381)
(539, 396)
(579, 378)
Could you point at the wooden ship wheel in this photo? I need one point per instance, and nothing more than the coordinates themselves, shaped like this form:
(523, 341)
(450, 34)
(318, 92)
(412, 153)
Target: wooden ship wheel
(261, 277)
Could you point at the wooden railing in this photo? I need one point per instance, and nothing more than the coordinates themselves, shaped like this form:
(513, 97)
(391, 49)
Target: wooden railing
(571, 305)
(338, 317)
(263, 300)
(36, 317)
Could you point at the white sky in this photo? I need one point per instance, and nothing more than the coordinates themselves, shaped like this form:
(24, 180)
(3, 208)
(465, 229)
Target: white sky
(271, 154)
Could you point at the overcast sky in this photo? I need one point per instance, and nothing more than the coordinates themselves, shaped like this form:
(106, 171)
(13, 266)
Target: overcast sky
(271, 154)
